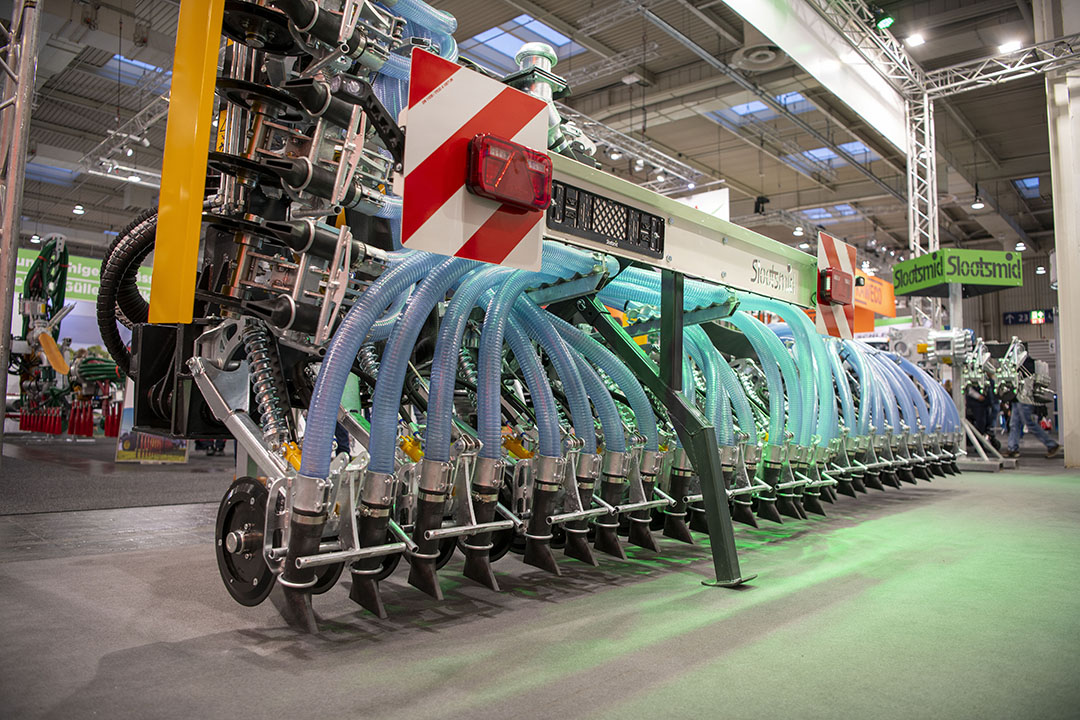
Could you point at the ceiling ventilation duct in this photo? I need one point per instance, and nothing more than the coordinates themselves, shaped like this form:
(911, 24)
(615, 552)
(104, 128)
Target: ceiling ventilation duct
(758, 52)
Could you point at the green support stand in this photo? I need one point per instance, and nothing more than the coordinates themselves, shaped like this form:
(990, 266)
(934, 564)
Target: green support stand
(697, 435)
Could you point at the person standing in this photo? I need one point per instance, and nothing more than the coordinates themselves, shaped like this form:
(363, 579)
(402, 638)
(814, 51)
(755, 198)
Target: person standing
(1023, 415)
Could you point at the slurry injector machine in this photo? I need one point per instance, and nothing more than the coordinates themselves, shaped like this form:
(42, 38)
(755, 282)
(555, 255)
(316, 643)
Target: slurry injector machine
(390, 403)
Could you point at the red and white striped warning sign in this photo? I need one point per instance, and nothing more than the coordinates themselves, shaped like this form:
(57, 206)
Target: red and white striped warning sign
(835, 320)
(448, 106)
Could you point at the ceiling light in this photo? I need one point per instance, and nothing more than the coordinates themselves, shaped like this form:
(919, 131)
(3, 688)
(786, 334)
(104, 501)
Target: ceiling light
(660, 176)
(1020, 246)
(639, 163)
(977, 203)
(892, 253)
(35, 238)
(128, 151)
(797, 232)
(1011, 46)
(915, 40)
(900, 259)
(804, 246)
(134, 178)
(1038, 271)
(78, 210)
(615, 155)
(691, 185)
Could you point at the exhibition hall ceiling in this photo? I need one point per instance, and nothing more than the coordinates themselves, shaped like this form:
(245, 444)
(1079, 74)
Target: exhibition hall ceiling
(628, 72)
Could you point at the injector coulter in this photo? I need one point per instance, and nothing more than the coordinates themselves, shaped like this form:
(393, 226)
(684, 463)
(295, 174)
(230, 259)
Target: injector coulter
(391, 404)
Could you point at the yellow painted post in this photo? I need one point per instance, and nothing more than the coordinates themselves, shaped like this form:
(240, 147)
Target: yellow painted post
(183, 177)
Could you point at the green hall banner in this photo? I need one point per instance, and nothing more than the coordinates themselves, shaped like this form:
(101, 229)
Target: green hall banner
(978, 271)
(82, 277)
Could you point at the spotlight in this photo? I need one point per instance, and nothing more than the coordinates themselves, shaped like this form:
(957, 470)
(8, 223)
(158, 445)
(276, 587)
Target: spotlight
(1038, 271)
(660, 176)
(915, 40)
(36, 239)
(1020, 246)
(128, 151)
(892, 253)
(691, 185)
(797, 232)
(615, 155)
(1009, 47)
(882, 19)
(639, 164)
(804, 246)
(133, 178)
(78, 210)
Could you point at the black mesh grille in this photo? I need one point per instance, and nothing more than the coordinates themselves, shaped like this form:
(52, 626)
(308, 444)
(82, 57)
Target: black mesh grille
(609, 218)
(586, 215)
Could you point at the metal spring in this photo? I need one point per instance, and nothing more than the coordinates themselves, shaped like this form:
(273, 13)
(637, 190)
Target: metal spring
(368, 359)
(266, 381)
(467, 365)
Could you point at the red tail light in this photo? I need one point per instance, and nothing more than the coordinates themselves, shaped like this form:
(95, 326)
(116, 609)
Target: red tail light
(510, 173)
(836, 287)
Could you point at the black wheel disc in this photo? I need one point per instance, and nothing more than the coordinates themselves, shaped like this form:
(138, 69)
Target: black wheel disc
(389, 565)
(245, 573)
(259, 27)
(327, 576)
(235, 165)
(446, 551)
(275, 103)
(502, 541)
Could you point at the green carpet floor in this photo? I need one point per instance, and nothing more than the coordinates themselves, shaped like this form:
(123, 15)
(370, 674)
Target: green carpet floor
(953, 599)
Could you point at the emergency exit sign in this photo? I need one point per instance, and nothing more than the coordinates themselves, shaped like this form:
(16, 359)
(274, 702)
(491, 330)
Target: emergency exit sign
(1029, 317)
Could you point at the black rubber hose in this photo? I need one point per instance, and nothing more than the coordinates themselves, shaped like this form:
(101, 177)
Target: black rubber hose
(120, 265)
(128, 297)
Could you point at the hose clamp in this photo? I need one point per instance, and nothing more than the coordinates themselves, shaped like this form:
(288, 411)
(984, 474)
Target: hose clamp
(651, 462)
(377, 489)
(588, 466)
(681, 461)
(773, 454)
(752, 454)
(311, 494)
(549, 472)
(617, 464)
(488, 474)
(729, 456)
(435, 476)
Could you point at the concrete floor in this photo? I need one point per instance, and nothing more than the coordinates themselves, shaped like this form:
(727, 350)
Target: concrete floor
(955, 599)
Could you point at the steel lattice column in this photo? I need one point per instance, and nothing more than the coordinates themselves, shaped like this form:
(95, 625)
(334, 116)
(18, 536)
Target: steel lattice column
(19, 67)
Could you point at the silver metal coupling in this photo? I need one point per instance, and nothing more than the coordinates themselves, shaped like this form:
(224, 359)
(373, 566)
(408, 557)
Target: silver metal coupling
(680, 462)
(488, 474)
(729, 456)
(588, 466)
(436, 477)
(616, 467)
(311, 495)
(548, 472)
(378, 488)
(651, 462)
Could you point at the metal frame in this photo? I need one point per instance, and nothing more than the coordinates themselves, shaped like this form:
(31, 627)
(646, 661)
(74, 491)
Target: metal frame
(19, 72)
(696, 434)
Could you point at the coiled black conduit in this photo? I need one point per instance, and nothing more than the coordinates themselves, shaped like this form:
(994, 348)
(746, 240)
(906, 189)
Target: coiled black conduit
(118, 284)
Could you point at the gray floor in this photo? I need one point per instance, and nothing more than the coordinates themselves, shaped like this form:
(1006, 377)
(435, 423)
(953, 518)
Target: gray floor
(57, 474)
(953, 599)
